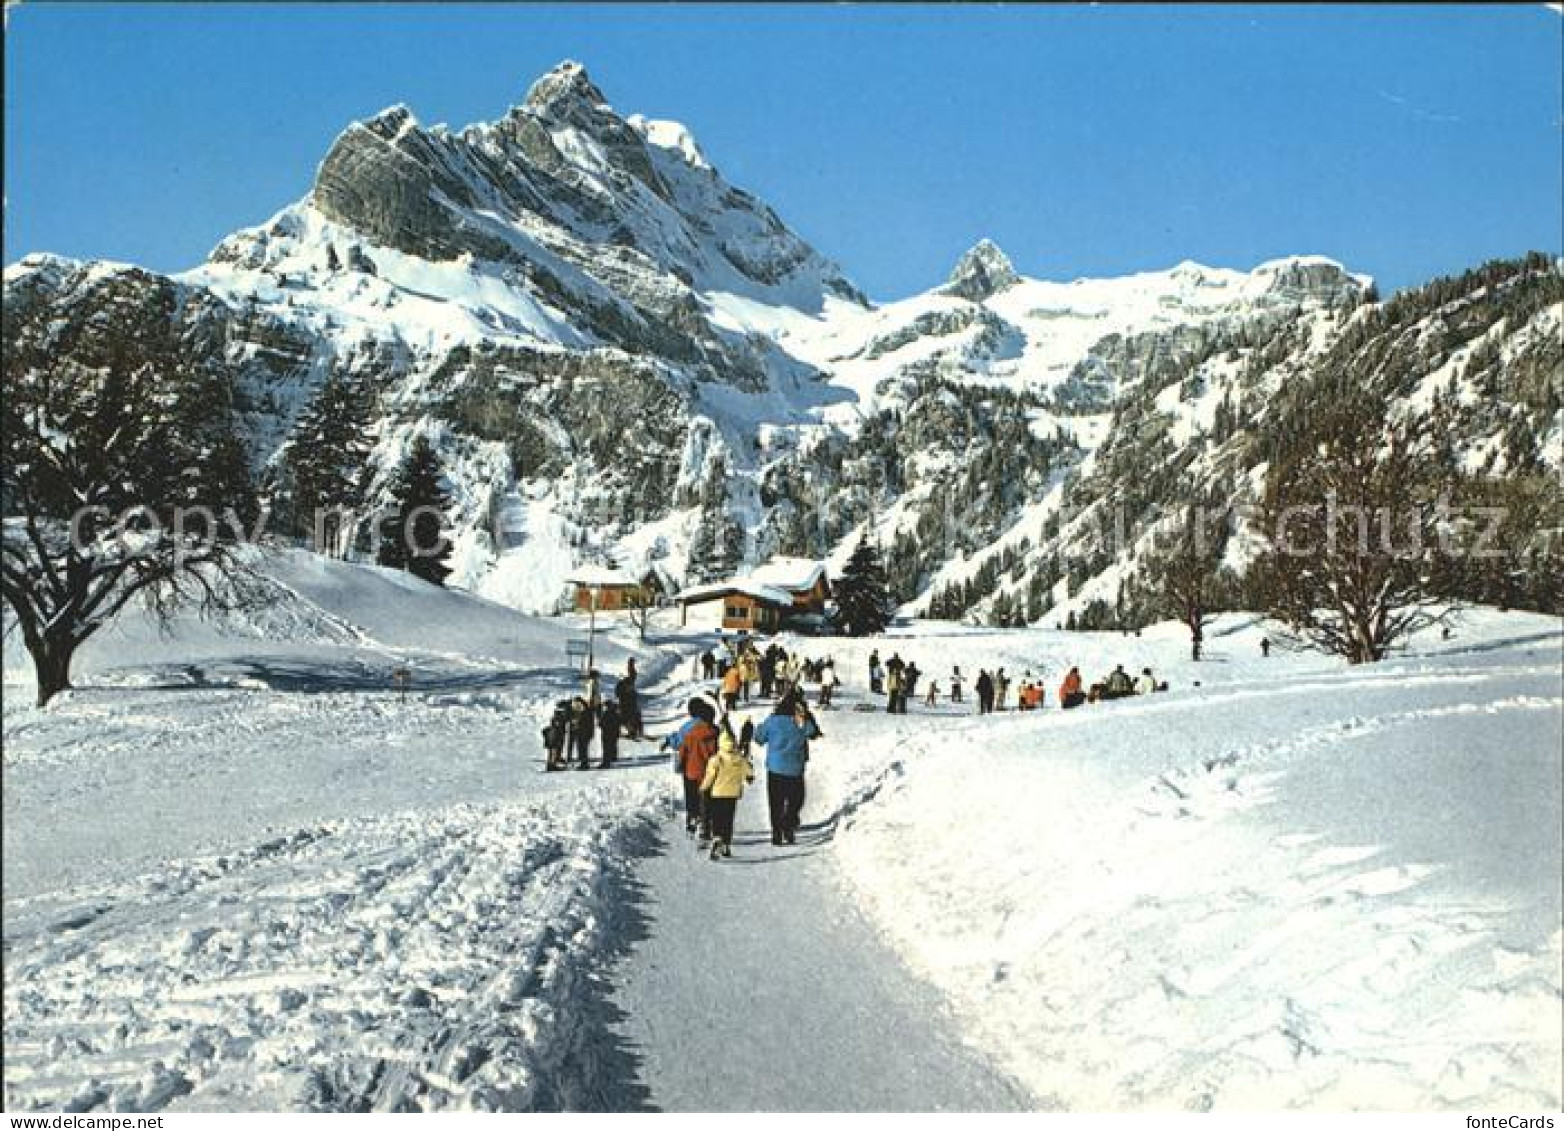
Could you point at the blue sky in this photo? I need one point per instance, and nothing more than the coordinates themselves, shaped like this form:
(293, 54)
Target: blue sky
(1407, 142)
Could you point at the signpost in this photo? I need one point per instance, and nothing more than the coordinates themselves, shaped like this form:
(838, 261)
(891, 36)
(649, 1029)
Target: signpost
(578, 650)
(400, 678)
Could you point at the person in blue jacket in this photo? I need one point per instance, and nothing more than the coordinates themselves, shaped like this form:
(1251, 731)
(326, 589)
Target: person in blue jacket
(785, 735)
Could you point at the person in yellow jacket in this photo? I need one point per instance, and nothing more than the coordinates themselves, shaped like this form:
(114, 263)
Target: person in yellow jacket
(749, 672)
(726, 776)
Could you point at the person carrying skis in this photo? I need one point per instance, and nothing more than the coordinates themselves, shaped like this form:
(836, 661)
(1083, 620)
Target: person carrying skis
(695, 750)
(785, 735)
(726, 776)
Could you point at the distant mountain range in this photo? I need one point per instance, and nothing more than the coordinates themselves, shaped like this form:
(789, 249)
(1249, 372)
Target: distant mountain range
(621, 357)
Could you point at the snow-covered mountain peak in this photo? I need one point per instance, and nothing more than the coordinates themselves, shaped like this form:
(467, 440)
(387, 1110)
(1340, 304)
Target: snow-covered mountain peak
(981, 273)
(672, 136)
(559, 92)
(391, 123)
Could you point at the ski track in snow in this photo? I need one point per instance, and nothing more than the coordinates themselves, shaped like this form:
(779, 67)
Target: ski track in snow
(423, 962)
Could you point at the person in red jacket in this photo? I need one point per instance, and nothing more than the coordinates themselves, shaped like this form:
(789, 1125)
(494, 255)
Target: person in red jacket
(700, 743)
(1070, 690)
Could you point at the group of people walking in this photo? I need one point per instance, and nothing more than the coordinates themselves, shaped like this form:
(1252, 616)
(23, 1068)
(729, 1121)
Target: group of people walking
(712, 749)
(576, 721)
(770, 673)
(714, 763)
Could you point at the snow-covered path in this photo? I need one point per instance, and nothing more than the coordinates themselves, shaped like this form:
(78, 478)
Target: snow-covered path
(761, 987)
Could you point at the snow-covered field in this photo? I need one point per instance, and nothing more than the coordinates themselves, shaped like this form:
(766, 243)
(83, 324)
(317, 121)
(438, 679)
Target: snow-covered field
(1296, 886)
(240, 872)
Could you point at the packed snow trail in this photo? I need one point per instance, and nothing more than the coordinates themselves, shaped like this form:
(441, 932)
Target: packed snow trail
(761, 987)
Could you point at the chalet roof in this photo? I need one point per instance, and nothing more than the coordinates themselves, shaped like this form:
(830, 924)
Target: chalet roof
(796, 574)
(745, 585)
(601, 577)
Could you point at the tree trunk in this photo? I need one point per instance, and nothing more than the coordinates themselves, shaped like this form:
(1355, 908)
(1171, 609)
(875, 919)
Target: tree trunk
(52, 665)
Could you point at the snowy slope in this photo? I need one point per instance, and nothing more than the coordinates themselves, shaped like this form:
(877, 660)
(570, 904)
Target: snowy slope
(241, 871)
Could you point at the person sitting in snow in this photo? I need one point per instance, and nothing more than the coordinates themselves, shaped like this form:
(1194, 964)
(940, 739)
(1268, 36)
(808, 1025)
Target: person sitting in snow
(1118, 684)
(1146, 684)
(1070, 693)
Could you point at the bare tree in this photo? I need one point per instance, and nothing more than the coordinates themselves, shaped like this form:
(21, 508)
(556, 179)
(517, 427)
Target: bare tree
(1352, 521)
(117, 483)
(1186, 577)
